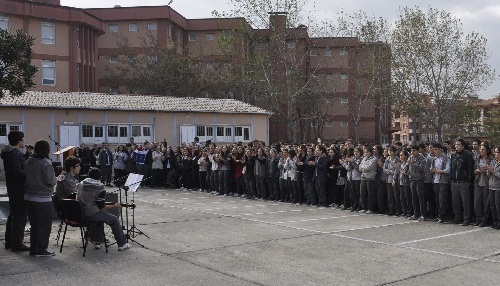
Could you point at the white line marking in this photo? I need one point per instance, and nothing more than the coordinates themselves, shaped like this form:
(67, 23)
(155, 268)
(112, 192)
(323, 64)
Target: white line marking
(440, 236)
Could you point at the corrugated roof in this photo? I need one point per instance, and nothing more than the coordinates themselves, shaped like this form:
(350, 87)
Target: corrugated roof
(86, 100)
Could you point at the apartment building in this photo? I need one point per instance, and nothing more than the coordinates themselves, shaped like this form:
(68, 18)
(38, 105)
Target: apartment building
(76, 47)
(65, 50)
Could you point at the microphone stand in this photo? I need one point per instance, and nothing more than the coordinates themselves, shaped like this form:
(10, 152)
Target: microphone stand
(55, 142)
(133, 231)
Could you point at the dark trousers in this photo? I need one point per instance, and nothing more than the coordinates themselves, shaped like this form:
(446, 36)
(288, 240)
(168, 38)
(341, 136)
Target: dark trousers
(224, 184)
(106, 171)
(40, 216)
(443, 192)
(214, 179)
(320, 189)
(16, 221)
(367, 196)
(430, 198)
(460, 197)
(250, 186)
(112, 221)
(273, 186)
(393, 199)
(381, 197)
(347, 191)
(157, 177)
(406, 201)
(418, 198)
(203, 180)
(240, 184)
(120, 177)
(495, 205)
(311, 195)
(355, 189)
(482, 203)
(300, 187)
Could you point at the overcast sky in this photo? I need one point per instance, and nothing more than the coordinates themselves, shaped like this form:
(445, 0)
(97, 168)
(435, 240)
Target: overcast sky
(481, 16)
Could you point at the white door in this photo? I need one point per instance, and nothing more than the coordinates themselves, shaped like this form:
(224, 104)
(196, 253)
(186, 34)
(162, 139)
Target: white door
(187, 134)
(69, 136)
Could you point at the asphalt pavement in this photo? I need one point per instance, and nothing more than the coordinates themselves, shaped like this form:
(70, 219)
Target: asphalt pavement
(193, 238)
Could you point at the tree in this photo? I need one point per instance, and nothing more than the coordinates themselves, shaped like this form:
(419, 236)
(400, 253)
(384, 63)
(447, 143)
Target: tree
(152, 68)
(16, 70)
(435, 64)
(277, 70)
(370, 69)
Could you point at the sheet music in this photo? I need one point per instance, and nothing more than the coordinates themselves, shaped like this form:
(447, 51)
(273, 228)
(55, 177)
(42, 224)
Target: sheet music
(133, 182)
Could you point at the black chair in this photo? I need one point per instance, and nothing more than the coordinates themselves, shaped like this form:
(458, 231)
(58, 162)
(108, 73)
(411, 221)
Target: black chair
(59, 210)
(74, 217)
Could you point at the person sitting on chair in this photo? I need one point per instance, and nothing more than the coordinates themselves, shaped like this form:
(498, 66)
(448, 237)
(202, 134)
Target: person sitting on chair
(88, 192)
(66, 187)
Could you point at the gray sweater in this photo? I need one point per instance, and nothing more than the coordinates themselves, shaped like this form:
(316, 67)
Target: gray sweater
(40, 180)
(87, 193)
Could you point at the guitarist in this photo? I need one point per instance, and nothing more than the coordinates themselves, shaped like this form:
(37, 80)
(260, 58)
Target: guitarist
(88, 194)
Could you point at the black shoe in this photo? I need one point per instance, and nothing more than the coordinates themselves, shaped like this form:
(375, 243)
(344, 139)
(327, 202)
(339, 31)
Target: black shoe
(441, 221)
(466, 223)
(46, 253)
(22, 247)
(483, 224)
(456, 222)
(477, 223)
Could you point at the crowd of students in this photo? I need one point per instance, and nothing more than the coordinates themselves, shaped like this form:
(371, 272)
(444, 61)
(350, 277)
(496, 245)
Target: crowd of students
(448, 183)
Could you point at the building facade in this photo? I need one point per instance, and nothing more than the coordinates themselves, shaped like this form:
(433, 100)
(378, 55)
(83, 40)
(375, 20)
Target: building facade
(76, 47)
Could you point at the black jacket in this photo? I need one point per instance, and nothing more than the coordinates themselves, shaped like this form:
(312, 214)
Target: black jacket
(15, 176)
(462, 165)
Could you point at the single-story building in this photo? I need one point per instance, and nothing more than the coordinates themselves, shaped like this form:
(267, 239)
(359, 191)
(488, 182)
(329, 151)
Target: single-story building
(71, 118)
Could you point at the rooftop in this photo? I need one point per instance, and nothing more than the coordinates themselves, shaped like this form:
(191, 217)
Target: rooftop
(86, 100)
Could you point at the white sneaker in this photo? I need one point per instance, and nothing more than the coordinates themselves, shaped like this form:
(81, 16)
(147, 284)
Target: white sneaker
(368, 212)
(362, 211)
(97, 245)
(124, 247)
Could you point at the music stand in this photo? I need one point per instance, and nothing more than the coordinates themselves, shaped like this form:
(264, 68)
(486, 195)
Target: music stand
(131, 185)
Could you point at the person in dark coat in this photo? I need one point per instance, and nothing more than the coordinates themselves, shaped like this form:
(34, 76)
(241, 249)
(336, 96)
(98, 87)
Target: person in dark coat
(15, 178)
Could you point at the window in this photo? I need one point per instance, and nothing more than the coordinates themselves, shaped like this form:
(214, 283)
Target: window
(48, 32)
(290, 45)
(397, 137)
(113, 27)
(436, 137)
(228, 66)
(152, 27)
(146, 131)
(246, 134)
(179, 36)
(136, 131)
(87, 131)
(114, 90)
(152, 58)
(344, 76)
(3, 129)
(170, 31)
(328, 52)
(210, 131)
(329, 99)
(344, 124)
(238, 131)
(344, 100)
(220, 131)
(210, 37)
(329, 76)
(210, 66)
(228, 131)
(314, 123)
(113, 59)
(48, 72)
(313, 52)
(112, 131)
(123, 131)
(329, 124)
(397, 114)
(132, 27)
(200, 130)
(99, 131)
(258, 46)
(4, 23)
(192, 37)
(343, 52)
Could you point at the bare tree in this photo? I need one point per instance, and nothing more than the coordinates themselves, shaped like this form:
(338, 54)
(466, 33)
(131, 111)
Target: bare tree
(435, 63)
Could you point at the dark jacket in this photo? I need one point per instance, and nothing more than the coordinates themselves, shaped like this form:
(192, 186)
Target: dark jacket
(105, 157)
(272, 167)
(15, 176)
(462, 165)
(321, 169)
(308, 169)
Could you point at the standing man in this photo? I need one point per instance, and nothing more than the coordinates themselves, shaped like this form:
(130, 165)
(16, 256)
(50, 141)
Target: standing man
(417, 164)
(462, 164)
(15, 177)
(106, 163)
